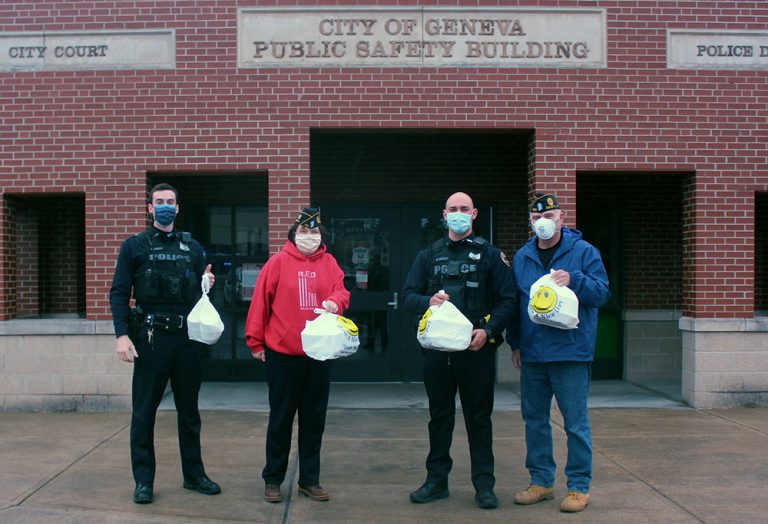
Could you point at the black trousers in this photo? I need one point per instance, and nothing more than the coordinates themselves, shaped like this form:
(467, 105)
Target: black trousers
(170, 356)
(473, 375)
(296, 383)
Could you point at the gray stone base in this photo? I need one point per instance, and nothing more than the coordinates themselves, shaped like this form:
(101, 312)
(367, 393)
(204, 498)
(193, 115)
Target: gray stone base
(725, 362)
(61, 365)
(652, 346)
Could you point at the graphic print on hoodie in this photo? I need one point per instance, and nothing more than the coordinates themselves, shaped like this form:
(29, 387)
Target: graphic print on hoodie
(308, 290)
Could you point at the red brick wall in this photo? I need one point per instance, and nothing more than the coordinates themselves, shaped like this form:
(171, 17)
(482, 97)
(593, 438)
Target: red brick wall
(100, 132)
(26, 228)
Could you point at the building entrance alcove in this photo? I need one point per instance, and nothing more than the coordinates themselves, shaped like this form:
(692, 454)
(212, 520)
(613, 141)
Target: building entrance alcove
(382, 193)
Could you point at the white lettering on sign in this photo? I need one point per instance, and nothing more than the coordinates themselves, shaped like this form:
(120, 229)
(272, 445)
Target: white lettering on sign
(151, 49)
(717, 49)
(429, 37)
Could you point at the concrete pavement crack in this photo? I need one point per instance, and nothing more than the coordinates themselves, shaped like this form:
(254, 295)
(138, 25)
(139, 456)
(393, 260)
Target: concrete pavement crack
(70, 465)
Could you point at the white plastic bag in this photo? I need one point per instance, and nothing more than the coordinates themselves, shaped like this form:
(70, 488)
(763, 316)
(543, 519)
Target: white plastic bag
(444, 328)
(329, 336)
(204, 323)
(553, 305)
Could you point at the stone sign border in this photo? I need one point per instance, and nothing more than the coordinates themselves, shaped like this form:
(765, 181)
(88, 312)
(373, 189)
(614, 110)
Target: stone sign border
(600, 62)
(68, 62)
(716, 55)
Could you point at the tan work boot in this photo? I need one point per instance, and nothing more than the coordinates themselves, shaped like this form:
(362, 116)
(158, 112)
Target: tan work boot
(533, 494)
(575, 501)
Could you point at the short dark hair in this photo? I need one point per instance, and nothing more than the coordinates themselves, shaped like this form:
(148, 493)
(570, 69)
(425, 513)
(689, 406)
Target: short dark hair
(324, 235)
(162, 186)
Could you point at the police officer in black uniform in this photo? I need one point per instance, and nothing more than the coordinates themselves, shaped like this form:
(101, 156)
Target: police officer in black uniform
(475, 276)
(163, 267)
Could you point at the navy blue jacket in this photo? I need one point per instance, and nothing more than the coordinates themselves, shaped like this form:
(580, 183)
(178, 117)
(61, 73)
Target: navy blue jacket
(538, 343)
(133, 254)
(500, 280)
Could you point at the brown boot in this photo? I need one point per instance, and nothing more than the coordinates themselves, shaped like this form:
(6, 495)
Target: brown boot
(272, 493)
(314, 492)
(533, 494)
(574, 502)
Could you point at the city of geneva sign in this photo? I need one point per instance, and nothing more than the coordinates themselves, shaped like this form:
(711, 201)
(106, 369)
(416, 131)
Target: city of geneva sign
(421, 37)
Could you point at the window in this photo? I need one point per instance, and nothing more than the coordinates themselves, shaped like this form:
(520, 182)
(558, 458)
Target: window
(45, 256)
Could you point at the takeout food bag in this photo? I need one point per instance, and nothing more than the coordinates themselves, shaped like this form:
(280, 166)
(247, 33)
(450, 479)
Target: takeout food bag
(553, 305)
(203, 322)
(329, 336)
(444, 328)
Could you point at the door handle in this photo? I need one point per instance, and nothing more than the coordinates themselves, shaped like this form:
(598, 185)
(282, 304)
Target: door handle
(394, 301)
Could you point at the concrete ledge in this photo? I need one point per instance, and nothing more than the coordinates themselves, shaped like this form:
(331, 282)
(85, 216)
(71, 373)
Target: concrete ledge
(758, 324)
(56, 326)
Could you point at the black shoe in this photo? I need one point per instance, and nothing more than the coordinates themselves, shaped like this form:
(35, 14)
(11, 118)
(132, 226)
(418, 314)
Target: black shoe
(203, 485)
(143, 493)
(430, 491)
(486, 499)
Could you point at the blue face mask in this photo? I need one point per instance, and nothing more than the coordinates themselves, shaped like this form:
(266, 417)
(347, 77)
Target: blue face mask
(165, 214)
(459, 222)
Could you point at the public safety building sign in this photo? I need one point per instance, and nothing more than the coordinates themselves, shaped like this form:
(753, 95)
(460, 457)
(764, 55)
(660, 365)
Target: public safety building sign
(717, 49)
(141, 49)
(429, 37)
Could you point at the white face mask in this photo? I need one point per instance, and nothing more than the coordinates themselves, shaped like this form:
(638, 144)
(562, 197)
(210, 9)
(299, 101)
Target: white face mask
(307, 244)
(544, 228)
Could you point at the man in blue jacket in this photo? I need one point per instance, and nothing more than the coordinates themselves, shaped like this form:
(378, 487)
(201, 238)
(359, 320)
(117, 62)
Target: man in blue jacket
(557, 361)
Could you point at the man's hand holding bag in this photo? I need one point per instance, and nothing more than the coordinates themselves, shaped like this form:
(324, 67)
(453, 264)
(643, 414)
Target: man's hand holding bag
(444, 328)
(204, 323)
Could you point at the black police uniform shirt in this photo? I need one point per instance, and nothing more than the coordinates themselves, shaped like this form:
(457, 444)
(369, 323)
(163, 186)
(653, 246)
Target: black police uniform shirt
(134, 253)
(499, 279)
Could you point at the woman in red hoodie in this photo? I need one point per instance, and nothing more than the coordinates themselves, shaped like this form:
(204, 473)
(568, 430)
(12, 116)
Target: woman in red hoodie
(293, 283)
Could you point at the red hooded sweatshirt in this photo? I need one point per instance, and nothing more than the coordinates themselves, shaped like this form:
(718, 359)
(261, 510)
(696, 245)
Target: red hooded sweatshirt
(289, 287)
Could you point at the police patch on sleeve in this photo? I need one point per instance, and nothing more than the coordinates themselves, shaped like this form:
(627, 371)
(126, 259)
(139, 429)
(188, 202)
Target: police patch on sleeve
(505, 259)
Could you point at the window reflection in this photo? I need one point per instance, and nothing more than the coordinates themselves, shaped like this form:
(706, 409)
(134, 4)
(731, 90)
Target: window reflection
(237, 249)
(372, 329)
(361, 246)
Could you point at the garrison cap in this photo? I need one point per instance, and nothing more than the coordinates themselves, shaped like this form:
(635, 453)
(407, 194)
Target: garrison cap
(309, 217)
(544, 202)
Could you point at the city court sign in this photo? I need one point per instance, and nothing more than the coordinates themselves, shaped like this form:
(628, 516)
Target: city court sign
(421, 37)
(707, 49)
(68, 50)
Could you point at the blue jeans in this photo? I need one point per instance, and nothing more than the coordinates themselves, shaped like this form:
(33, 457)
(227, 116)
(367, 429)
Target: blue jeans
(569, 382)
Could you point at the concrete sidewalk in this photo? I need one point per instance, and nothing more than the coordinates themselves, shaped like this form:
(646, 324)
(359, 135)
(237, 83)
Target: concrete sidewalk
(666, 464)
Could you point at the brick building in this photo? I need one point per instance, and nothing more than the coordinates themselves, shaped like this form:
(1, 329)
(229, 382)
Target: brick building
(647, 118)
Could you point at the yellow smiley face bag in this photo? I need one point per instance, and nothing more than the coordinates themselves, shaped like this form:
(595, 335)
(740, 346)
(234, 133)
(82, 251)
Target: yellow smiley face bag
(553, 305)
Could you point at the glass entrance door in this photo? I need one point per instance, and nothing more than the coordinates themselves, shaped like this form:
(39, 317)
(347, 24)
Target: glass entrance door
(375, 246)
(237, 249)
(365, 244)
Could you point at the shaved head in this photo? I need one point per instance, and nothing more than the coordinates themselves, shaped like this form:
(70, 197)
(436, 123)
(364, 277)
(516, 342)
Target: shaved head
(459, 200)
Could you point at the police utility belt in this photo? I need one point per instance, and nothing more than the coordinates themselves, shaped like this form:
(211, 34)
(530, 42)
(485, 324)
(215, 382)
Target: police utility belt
(169, 323)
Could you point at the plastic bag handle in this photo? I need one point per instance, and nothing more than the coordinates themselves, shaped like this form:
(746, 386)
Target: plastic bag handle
(205, 283)
(442, 292)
